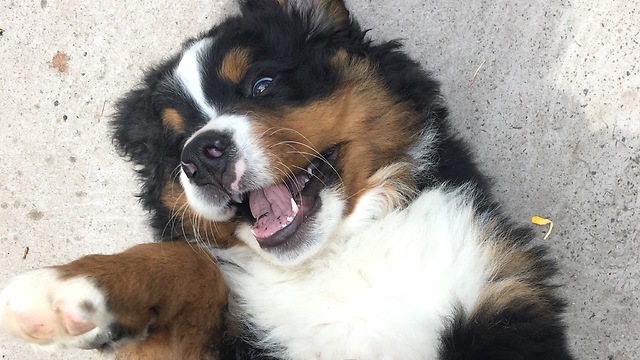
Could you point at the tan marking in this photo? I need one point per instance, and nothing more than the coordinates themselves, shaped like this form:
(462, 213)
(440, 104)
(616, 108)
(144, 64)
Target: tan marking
(508, 261)
(172, 119)
(235, 65)
(515, 273)
(396, 184)
(333, 10)
(192, 345)
(336, 11)
(190, 225)
(501, 295)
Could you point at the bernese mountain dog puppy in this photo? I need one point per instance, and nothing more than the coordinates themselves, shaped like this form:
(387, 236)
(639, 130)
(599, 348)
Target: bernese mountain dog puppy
(311, 202)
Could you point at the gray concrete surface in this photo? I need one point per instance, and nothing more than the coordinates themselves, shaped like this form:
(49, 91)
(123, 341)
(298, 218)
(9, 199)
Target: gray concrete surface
(553, 112)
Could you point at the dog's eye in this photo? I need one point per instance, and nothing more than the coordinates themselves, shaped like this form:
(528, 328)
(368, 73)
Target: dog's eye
(260, 86)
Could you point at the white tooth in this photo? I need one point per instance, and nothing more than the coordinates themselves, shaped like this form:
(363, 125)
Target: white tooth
(310, 170)
(294, 206)
(289, 219)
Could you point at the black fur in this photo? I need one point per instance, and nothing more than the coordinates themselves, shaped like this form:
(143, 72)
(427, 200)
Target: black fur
(521, 332)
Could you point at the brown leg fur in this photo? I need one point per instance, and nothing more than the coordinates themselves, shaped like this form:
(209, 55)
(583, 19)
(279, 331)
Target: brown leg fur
(175, 287)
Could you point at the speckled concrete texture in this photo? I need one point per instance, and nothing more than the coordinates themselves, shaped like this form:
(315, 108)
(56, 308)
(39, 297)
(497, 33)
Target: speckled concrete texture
(547, 93)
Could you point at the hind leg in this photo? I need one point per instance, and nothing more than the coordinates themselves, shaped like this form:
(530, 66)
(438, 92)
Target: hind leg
(153, 301)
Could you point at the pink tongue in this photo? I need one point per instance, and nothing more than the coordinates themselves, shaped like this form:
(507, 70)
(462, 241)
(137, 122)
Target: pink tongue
(272, 208)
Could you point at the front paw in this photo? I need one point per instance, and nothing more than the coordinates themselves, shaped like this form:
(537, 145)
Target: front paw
(41, 307)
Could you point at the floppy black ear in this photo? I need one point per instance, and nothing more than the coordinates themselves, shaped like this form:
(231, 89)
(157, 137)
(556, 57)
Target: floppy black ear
(134, 126)
(320, 15)
(141, 137)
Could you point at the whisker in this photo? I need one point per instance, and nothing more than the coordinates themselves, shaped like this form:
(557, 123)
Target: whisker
(174, 212)
(290, 175)
(295, 132)
(175, 173)
(314, 153)
(326, 162)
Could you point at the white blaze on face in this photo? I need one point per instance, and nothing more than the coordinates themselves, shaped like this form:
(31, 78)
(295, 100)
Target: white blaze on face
(188, 74)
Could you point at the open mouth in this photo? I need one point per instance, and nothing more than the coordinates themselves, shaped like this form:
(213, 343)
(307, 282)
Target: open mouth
(278, 212)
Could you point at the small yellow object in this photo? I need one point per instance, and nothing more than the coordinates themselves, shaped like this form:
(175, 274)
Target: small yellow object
(539, 220)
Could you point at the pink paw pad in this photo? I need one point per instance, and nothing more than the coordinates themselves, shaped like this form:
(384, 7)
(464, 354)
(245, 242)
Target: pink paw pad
(40, 307)
(74, 323)
(34, 326)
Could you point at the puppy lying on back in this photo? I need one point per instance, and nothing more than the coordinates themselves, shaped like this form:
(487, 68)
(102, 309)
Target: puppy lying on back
(310, 202)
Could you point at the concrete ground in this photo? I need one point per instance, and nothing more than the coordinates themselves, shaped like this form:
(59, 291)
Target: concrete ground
(547, 92)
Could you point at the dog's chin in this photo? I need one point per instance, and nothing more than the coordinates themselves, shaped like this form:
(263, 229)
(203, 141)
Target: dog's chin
(208, 201)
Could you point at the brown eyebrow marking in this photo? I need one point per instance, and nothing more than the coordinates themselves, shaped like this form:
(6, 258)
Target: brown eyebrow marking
(172, 119)
(235, 64)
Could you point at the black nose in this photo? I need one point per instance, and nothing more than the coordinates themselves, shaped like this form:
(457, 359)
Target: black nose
(206, 157)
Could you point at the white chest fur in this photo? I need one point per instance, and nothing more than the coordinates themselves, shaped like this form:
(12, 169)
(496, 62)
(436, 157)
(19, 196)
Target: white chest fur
(385, 292)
